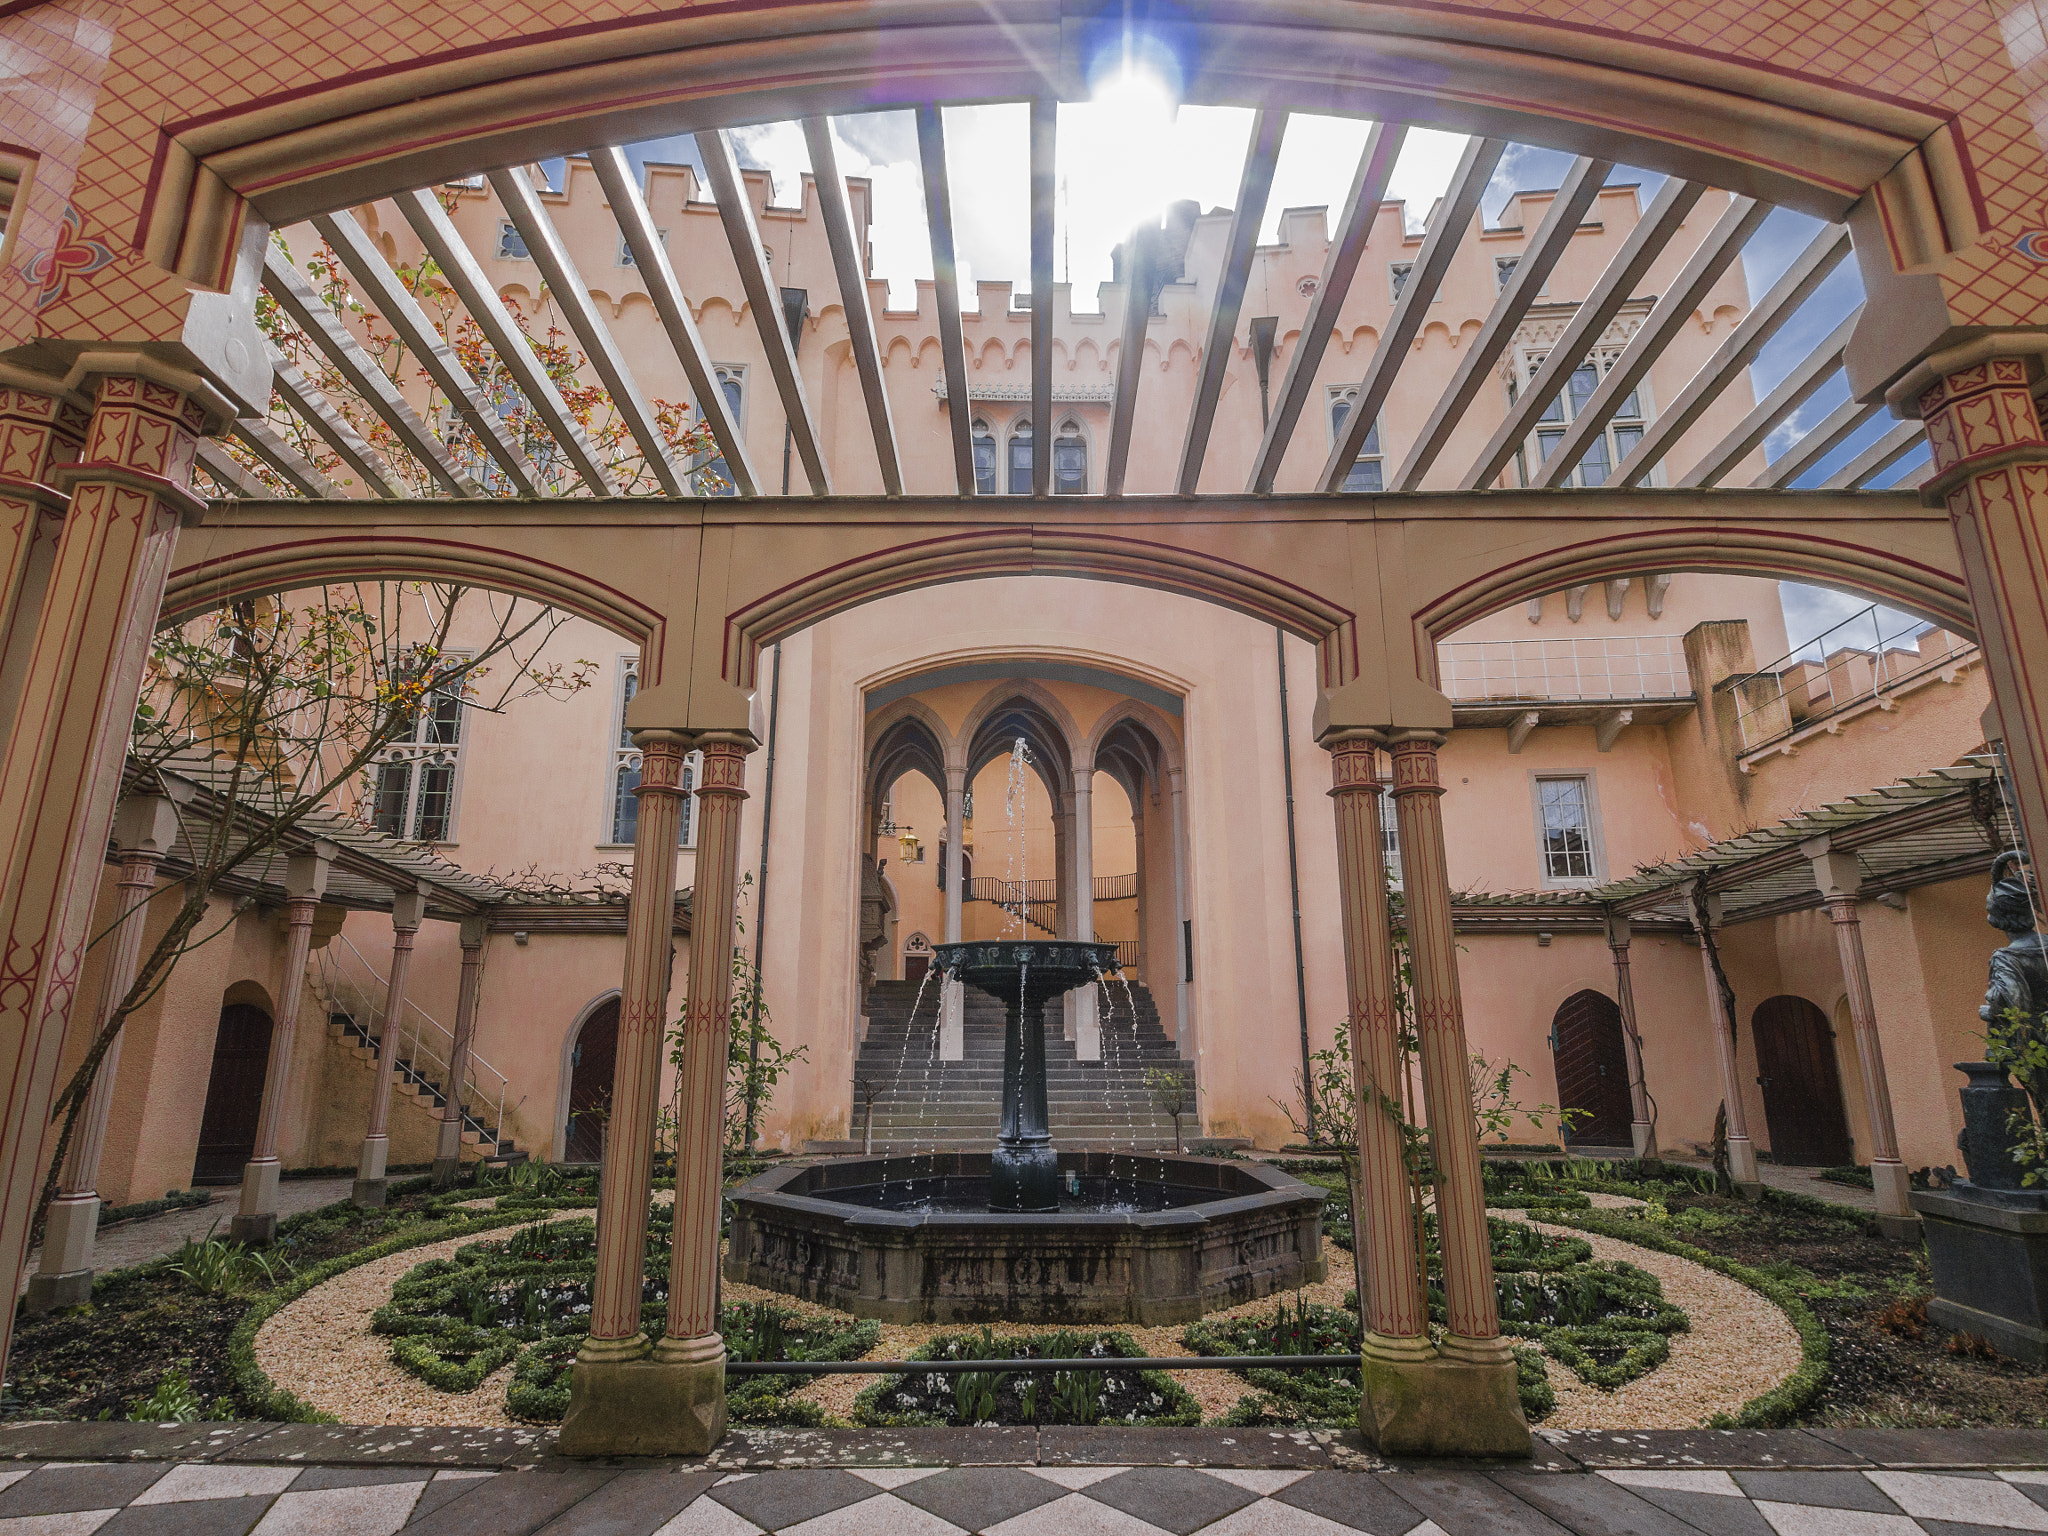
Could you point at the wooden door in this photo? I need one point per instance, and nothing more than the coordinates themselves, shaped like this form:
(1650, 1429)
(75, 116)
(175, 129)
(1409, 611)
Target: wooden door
(1795, 1064)
(234, 1094)
(914, 967)
(592, 1061)
(1592, 1070)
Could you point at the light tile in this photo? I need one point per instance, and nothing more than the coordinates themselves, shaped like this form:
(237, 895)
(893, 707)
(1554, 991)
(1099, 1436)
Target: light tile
(1268, 1519)
(732, 1477)
(1969, 1500)
(883, 1516)
(705, 1517)
(1075, 1515)
(1677, 1481)
(1259, 1480)
(461, 1477)
(79, 1523)
(2032, 1475)
(376, 1510)
(204, 1481)
(1075, 1477)
(892, 1477)
(1817, 1520)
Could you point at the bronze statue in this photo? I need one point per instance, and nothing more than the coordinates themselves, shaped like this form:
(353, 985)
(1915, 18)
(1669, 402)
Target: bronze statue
(2019, 972)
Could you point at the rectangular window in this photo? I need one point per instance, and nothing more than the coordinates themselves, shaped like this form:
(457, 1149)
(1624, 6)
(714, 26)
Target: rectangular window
(1020, 461)
(1609, 448)
(511, 243)
(1390, 838)
(1069, 464)
(1565, 819)
(1503, 269)
(984, 462)
(625, 818)
(414, 794)
(625, 256)
(1366, 472)
(715, 477)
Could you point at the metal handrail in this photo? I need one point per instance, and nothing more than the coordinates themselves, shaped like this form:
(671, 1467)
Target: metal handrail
(1575, 668)
(1842, 666)
(1116, 887)
(416, 1044)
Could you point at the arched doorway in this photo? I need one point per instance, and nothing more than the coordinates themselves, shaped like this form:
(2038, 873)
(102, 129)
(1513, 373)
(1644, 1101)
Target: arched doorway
(1795, 1066)
(1592, 1069)
(234, 1094)
(590, 1083)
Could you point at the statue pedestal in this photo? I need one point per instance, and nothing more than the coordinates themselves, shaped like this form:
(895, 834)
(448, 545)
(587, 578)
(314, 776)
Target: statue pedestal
(1988, 1249)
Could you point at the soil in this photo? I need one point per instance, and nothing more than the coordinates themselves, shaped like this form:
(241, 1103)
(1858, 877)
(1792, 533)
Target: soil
(1879, 1375)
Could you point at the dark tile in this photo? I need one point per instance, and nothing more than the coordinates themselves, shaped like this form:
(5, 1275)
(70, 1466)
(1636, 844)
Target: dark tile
(1592, 1506)
(1705, 1448)
(743, 1449)
(1943, 1447)
(1960, 1528)
(512, 1504)
(189, 1517)
(49, 1440)
(777, 1499)
(973, 1497)
(1716, 1514)
(1181, 1447)
(355, 1477)
(1356, 1499)
(638, 1502)
(397, 1446)
(1470, 1504)
(58, 1490)
(1177, 1499)
(2034, 1491)
(445, 1488)
(1835, 1490)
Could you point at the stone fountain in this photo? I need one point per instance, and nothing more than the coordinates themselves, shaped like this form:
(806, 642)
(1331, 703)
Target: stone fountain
(1025, 1231)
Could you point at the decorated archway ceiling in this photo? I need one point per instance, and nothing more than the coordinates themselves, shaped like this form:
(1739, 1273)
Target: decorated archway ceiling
(497, 442)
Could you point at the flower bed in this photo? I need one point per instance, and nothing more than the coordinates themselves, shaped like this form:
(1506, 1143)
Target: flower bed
(996, 1396)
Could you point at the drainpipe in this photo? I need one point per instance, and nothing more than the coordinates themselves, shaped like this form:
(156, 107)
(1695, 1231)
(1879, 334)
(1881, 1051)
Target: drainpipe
(761, 891)
(1308, 1091)
(1263, 330)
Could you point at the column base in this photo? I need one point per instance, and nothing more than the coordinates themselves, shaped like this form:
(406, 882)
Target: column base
(625, 1402)
(256, 1221)
(46, 1293)
(1749, 1184)
(1896, 1217)
(1419, 1403)
(446, 1171)
(369, 1193)
(1644, 1136)
(258, 1231)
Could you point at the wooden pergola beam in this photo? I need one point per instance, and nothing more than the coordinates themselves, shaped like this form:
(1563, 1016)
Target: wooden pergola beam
(1354, 229)
(849, 264)
(743, 234)
(319, 413)
(1814, 370)
(1044, 160)
(1817, 444)
(938, 212)
(1880, 456)
(264, 440)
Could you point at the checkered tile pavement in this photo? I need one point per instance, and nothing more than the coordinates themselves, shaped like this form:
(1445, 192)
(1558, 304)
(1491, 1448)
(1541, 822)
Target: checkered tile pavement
(205, 1499)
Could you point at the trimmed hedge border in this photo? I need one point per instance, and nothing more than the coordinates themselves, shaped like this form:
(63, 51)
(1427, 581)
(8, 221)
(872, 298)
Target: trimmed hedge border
(264, 1398)
(1790, 1396)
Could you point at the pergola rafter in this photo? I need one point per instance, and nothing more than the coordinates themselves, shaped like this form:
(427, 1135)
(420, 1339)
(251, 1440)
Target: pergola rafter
(319, 413)
(850, 267)
(938, 212)
(1793, 391)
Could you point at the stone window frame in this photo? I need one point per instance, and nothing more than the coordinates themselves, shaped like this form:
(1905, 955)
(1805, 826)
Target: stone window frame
(1371, 459)
(416, 754)
(1620, 435)
(624, 757)
(1596, 842)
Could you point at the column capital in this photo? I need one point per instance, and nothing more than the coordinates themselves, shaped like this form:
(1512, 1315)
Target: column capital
(146, 824)
(1619, 933)
(725, 762)
(305, 874)
(1842, 910)
(1835, 875)
(1713, 910)
(1908, 395)
(408, 911)
(474, 931)
(1415, 763)
(1354, 762)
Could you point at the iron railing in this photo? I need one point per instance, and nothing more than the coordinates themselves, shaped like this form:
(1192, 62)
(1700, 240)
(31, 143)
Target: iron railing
(1867, 655)
(1576, 668)
(1037, 901)
(1116, 887)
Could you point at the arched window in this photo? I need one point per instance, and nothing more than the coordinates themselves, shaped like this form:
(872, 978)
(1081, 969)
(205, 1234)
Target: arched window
(984, 459)
(717, 477)
(1069, 460)
(1020, 459)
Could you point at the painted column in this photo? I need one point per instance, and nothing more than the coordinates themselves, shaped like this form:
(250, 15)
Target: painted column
(1469, 1300)
(408, 910)
(448, 1154)
(1138, 862)
(627, 1184)
(144, 830)
(1839, 880)
(305, 882)
(1643, 1129)
(1991, 472)
(952, 993)
(692, 1339)
(1384, 1235)
(1741, 1152)
(1084, 1004)
(1183, 1000)
(59, 780)
(42, 427)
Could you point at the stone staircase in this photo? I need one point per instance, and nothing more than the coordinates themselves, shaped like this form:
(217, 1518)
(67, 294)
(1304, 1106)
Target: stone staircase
(956, 1106)
(414, 1079)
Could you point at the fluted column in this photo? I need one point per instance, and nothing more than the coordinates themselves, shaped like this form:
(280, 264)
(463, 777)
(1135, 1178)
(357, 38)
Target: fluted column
(1471, 1307)
(145, 828)
(59, 780)
(692, 1337)
(42, 428)
(448, 1154)
(1643, 1130)
(305, 882)
(952, 997)
(1084, 1004)
(1383, 1232)
(1741, 1152)
(408, 910)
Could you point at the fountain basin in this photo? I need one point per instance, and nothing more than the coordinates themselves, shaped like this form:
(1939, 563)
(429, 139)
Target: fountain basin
(1223, 1233)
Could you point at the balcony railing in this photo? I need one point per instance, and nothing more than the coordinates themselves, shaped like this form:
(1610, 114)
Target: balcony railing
(1866, 657)
(1572, 669)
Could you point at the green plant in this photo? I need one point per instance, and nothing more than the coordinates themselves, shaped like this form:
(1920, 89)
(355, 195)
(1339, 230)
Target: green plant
(1173, 1092)
(1495, 1107)
(173, 1402)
